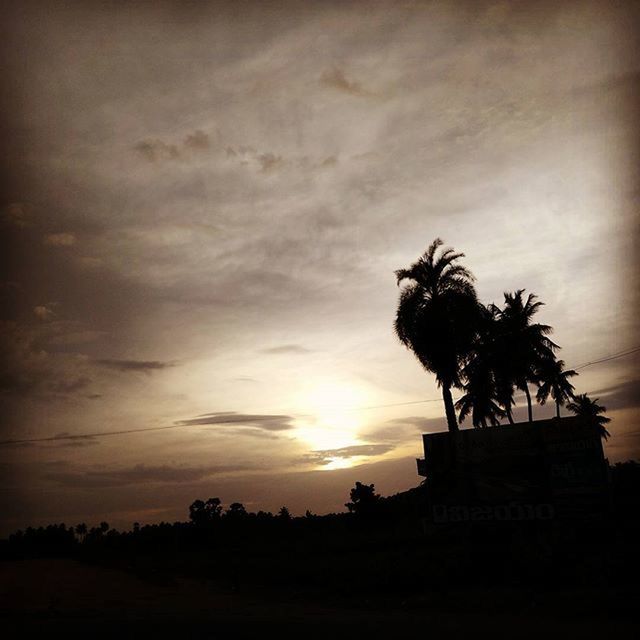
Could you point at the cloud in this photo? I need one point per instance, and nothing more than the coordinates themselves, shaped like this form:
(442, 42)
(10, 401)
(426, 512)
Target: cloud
(625, 395)
(27, 368)
(325, 456)
(60, 239)
(286, 348)
(270, 162)
(138, 474)
(72, 385)
(420, 423)
(266, 422)
(135, 365)
(68, 440)
(17, 214)
(77, 337)
(336, 79)
(197, 141)
(43, 312)
(154, 150)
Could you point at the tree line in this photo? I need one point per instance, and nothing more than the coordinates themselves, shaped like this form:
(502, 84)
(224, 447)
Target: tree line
(485, 351)
(209, 521)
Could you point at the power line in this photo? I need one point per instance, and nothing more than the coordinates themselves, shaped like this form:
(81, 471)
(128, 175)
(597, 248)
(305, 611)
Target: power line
(83, 436)
(607, 358)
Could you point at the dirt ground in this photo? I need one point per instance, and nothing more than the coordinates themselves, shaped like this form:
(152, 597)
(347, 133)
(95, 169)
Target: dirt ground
(65, 596)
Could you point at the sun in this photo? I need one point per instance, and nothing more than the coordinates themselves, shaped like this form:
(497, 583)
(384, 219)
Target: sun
(331, 418)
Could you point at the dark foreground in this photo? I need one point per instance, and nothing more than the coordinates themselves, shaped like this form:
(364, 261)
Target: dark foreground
(67, 597)
(504, 582)
(371, 573)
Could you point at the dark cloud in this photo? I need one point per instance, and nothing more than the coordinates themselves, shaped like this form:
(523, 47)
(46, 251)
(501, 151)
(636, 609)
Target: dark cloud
(197, 141)
(255, 421)
(17, 214)
(139, 474)
(70, 385)
(68, 440)
(286, 348)
(325, 456)
(27, 368)
(336, 79)
(625, 395)
(270, 162)
(154, 150)
(135, 365)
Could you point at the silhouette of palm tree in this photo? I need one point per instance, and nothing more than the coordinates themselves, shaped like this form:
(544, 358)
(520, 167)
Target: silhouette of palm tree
(588, 409)
(525, 346)
(554, 382)
(436, 317)
(481, 390)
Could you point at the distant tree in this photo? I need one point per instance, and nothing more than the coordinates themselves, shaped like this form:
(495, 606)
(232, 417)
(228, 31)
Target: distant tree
(81, 530)
(104, 527)
(284, 514)
(588, 409)
(436, 317)
(364, 499)
(236, 511)
(554, 382)
(205, 513)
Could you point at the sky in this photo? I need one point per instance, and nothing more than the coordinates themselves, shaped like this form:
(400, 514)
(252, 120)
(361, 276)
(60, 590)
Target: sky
(203, 206)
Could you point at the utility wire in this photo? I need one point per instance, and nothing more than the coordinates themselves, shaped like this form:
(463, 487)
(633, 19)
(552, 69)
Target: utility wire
(607, 358)
(82, 436)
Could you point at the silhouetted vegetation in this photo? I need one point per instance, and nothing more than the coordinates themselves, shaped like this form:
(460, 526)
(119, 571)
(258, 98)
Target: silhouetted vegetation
(437, 318)
(378, 556)
(487, 352)
(590, 411)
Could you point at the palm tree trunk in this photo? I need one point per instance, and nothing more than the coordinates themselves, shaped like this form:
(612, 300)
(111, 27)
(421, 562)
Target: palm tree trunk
(510, 416)
(525, 388)
(452, 421)
(557, 409)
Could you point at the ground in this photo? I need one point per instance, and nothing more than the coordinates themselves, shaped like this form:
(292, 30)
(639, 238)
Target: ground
(65, 596)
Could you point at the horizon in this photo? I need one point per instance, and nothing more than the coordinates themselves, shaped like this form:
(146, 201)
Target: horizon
(204, 208)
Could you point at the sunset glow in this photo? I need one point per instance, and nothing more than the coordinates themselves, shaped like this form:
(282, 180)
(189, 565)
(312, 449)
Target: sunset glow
(206, 207)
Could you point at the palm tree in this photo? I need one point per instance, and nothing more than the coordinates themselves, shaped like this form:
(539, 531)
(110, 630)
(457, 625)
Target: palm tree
(525, 346)
(437, 317)
(481, 398)
(588, 409)
(554, 382)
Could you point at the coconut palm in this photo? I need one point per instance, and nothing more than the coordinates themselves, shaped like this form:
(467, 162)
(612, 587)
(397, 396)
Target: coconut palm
(524, 345)
(81, 530)
(554, 382)
(481, 398)
(588, 409)
(437, 317)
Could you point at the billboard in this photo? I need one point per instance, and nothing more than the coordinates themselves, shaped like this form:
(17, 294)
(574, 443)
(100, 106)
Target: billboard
(538, 470)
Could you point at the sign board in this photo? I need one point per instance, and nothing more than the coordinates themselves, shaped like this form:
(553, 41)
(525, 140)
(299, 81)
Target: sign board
(529, 471)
